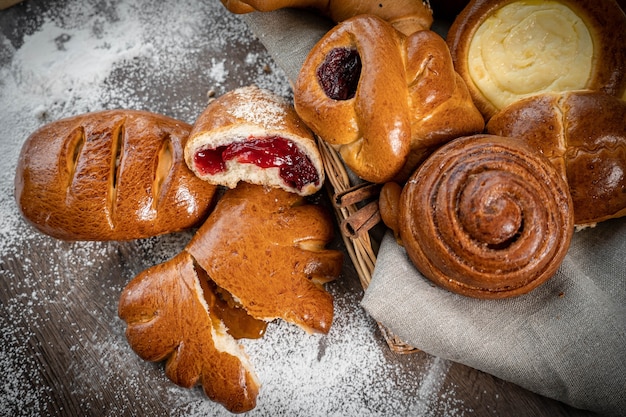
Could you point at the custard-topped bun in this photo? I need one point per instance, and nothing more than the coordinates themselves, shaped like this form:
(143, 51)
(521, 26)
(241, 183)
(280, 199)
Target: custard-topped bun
(383, 100)
(110, 175)
(251, 134)
(407, 16)
(583, 133)
(509, 49)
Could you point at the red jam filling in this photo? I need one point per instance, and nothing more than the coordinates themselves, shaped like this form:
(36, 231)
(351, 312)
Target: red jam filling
(295, 168)
(339, 74)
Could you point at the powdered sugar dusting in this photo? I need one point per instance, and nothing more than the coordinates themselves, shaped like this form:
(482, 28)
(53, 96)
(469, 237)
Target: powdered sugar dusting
(260, 107)
(63, 345)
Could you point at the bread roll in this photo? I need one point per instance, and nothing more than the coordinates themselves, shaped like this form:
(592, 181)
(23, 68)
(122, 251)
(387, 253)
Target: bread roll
(266, 248)
(583, 133)
(250, 134)
(382, 100)
(509, 49)
(169, 319)
(485, 217)
(407, 16)
(110, 175)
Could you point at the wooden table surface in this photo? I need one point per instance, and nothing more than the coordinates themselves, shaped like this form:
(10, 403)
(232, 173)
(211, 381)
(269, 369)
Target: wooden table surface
(62, 347)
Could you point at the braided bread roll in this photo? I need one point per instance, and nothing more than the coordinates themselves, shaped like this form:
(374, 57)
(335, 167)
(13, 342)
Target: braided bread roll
(407, 16)
(486, 217)
(509, 49)
(583, 133)
(384, 101)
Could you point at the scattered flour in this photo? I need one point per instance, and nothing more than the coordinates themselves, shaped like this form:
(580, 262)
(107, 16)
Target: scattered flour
(80, 56)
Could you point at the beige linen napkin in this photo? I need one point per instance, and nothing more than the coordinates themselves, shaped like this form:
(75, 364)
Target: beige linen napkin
(565, 340)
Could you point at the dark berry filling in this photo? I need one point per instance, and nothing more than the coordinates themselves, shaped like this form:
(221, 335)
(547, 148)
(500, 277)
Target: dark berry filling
(295, 168)
(339, 73)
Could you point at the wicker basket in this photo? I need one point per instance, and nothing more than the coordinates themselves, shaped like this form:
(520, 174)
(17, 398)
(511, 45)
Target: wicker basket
(359, 243)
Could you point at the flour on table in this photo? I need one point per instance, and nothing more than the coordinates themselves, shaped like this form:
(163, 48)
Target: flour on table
(83, 56)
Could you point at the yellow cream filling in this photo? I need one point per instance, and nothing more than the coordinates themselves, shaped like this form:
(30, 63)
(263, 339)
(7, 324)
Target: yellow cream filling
(529, 47)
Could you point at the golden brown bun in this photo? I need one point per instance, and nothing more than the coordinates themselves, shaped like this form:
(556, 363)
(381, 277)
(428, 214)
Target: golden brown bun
(407, 16)
(404, 98)
(388, 204)
(266, 248)
(583, 133)
(561, 46)
(169, 319)
(259, 256)
(109, 175)
(252, 117)
(486, 217)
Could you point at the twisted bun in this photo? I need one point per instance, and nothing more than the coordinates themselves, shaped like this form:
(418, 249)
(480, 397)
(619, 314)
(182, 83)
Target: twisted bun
(384, 101)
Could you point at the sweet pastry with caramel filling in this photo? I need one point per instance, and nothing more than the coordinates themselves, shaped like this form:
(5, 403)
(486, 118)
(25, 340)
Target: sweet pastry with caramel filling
(485, 216)
(583, 133)
(172, 315)
(110, 175)
(407, 16)
(509, 49)
(250, 134)
(266, 248)
(384, 101)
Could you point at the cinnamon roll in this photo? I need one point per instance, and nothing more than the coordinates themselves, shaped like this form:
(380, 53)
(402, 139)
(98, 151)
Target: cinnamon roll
(486, 217)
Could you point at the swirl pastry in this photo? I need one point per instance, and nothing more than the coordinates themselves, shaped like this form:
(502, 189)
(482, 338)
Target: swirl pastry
(110, 175)
(407, 16)
(384, 101)
(251, 134)
(583, 133)
(486, 217)
(509, 49)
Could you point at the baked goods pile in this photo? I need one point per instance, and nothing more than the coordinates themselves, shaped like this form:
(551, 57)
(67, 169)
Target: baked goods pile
(483, 179)
(548, 77)
(259, 253)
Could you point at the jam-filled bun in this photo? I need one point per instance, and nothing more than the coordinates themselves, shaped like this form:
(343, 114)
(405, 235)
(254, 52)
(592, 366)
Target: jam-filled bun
(251, 134)
(383, 100)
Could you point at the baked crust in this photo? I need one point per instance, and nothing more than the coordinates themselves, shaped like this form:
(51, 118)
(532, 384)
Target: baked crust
(168, 319)
(583, 133)
(110, 175)
(266, 247)
(407, 16)
(486, 217)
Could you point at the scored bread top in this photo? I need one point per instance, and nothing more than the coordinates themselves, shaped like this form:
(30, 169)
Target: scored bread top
(110, 175)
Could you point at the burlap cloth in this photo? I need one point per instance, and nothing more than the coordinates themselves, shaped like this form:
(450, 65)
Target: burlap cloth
(565, 340)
